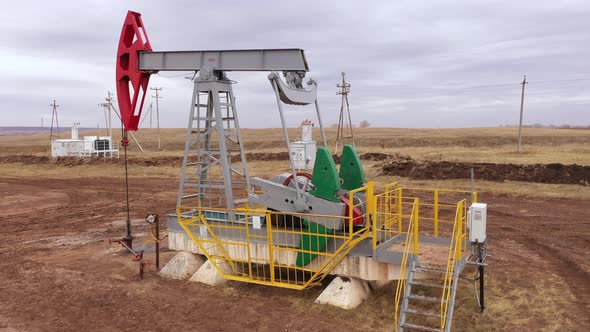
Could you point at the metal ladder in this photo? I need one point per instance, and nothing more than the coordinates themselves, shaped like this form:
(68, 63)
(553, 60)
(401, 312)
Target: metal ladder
(416, 298)
(213, 143)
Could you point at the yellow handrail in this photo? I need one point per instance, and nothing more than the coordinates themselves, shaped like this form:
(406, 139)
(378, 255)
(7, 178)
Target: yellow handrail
(410, 243)
(455, 254)
(369, 201)
(435, 213)
(416, 221)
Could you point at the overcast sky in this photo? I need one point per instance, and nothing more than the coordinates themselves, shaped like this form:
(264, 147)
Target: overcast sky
(410, 63)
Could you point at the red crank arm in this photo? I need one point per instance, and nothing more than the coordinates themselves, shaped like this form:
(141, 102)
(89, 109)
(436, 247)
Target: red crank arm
(131, 82)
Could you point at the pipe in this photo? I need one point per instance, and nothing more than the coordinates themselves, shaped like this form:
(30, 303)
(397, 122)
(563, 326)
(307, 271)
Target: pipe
(157, 242)
(286, 133)
(481, 281)
(317, 108)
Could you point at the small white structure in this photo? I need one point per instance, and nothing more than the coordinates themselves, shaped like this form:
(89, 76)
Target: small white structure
(90, 146)
(303, 151)
(476, 222)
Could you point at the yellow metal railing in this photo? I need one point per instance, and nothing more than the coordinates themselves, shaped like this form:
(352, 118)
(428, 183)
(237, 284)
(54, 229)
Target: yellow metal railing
(297, 250)
(456, 250)
(388, 214)
(440, 203)
(411, 246)
(292, 250)
(436, 210)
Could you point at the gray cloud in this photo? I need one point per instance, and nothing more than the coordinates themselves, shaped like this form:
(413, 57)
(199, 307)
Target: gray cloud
(411, 64)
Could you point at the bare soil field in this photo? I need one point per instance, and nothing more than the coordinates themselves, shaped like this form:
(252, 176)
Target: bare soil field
(544, 173)
(58, 271)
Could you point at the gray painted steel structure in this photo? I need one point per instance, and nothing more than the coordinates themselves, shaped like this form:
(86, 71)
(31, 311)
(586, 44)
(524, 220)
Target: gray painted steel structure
(213, 110)
(213, 114)
(225, 60)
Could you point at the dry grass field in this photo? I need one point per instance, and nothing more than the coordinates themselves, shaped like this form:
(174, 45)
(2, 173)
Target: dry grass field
(498, 145)
(55, 264)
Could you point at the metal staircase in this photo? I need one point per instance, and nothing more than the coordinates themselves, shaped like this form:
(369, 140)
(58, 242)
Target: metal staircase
(434, 311)
(427, 307)
(214, 163)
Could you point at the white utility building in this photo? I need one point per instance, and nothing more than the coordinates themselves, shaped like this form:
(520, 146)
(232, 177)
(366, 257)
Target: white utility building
(90, 146)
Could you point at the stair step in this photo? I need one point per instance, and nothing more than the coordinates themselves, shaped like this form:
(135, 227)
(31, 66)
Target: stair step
(424, 284)
(419, 327)
(429, 270)
(191, 196)
(424, 298)
(423, 313)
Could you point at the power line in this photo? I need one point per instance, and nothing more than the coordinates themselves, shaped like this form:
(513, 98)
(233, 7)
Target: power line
(450, 86)
(566, 80)
(149, 111)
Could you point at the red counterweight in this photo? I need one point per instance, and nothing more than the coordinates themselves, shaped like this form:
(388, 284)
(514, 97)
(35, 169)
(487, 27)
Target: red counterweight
(357, 215)
(131, 82)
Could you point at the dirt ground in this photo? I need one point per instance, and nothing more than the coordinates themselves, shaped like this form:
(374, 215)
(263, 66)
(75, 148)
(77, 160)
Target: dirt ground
(59, 273)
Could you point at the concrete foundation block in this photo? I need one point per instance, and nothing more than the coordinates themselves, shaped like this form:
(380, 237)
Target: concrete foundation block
(182, 266)
(345, 293)
(208, 274)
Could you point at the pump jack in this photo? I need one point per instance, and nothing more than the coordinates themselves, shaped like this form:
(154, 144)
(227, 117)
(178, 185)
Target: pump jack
(213, 137)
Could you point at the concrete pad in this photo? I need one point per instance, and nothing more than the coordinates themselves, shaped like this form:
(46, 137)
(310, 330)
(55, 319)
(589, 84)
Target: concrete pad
(208, 274)
(345, 293)
(366, 268)
(182, 266)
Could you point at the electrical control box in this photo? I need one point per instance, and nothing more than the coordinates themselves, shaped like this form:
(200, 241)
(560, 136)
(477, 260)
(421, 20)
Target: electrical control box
(303, 154)
(476, 222)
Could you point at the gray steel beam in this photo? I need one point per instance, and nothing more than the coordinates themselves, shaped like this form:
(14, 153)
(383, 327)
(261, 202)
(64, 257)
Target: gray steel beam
(226, 60)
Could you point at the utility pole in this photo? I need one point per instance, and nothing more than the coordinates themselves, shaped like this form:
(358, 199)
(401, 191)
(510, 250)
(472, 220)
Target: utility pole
(524, 83)
(54, 117)
(109, 100)
(157, 96)
(105, 111)
(345, 121)
(151, 112)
